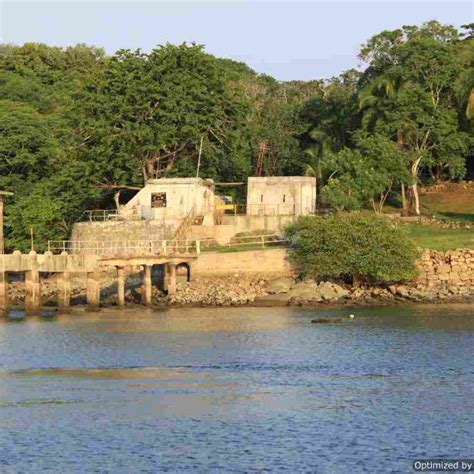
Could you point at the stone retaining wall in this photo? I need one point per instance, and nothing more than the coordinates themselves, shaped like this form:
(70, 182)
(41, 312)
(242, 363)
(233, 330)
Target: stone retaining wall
(451, 271)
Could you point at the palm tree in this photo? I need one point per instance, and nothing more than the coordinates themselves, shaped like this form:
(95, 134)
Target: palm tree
(374, 100)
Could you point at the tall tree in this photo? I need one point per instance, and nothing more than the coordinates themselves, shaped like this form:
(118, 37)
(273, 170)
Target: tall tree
(424, 63)
(148, 111)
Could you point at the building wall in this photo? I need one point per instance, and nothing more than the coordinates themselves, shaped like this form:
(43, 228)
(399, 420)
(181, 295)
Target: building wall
(281, 195)
(275, 224)
(124, 230)
(181, 195)
(165, 229)
(256, 261)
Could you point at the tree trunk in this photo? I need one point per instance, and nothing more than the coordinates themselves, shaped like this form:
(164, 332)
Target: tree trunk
(150, 167)
(404, 201)
(414, 186)
(117, 200)
(416, 199)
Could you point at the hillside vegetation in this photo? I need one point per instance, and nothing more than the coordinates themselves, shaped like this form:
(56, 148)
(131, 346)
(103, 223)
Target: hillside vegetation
(77, 126)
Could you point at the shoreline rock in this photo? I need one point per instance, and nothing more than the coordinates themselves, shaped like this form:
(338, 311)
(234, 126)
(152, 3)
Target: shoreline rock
(262, 290)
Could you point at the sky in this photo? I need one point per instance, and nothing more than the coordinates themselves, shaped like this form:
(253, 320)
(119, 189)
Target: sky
(290, 40)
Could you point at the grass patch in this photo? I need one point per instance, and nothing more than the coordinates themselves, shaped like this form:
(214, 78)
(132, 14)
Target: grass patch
(431, 237)
(240, 248)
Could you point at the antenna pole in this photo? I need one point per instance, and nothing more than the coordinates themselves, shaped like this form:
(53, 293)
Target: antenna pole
(199, 157)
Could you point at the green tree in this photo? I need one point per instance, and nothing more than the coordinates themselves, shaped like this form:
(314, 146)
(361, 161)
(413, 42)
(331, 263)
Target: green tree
(423, 63)
(148, 111)
(366, 174)
(357, 246)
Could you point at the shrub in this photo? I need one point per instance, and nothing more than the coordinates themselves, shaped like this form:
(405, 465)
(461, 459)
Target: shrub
(360, 246)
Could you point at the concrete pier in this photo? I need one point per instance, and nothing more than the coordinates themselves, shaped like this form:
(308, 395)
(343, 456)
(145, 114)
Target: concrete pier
(147, 287)
(93, 290)
(32, 292)
(64, 291)
(90, 265)
(3, 294)
(121, 286)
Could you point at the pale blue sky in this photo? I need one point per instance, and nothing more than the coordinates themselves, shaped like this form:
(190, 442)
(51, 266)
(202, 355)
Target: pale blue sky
(287, 39)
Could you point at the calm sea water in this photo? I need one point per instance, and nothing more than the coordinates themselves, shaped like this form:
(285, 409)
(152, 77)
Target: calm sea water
(236, 390)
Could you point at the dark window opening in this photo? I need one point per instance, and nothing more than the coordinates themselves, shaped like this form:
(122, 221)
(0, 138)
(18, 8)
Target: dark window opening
(158, 199)
(261, 197)
(284, 197)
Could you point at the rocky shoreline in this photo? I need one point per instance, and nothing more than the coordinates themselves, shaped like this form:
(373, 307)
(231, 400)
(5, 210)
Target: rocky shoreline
(257, 290)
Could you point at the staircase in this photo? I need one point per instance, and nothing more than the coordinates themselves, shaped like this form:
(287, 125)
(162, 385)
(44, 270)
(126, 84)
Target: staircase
(182, 230)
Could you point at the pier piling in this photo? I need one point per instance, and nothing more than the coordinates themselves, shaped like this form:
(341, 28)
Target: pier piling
(64, 291)
(93, 290)
(32, 292)
(171, 278)
(3, 294)
(147, 288)
(121, 286)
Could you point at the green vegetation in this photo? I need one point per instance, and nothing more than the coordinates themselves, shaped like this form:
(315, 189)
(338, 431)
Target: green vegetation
(436, 238)
(358, 246)
(78, 126)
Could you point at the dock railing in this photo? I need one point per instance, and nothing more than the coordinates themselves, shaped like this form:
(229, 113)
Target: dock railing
(123, 247)
(248, 242)
(106, 248)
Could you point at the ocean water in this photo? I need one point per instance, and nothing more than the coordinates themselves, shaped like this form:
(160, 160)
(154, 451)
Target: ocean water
(236, 390)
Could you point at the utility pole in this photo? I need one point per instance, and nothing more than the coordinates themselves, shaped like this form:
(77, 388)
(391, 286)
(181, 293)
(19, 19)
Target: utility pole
(262, 149)
(2, 239)
(199, 157)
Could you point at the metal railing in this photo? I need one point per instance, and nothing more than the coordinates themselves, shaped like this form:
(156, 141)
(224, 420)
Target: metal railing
(244, 242)
(102, 215)
(130, 248)
(124, 247)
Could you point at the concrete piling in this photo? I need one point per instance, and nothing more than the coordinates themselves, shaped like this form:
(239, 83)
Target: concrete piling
(32, 292)
(3, 294)
(93, 290)
(171, 278)
(147, 287)
(64, 291)
(121, 286)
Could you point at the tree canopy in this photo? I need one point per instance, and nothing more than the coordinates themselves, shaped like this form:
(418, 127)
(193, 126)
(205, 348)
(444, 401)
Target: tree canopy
(77, 124)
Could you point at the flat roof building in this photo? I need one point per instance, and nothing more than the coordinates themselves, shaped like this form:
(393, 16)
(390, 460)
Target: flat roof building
(172, 198)
(281, 195)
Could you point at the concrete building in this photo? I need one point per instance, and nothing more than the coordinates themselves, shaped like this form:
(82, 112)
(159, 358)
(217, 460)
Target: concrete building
(161, 211)
(169, 199)
(281, 196)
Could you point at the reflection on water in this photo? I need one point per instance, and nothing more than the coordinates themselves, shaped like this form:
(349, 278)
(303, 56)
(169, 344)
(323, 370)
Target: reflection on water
(239, 389)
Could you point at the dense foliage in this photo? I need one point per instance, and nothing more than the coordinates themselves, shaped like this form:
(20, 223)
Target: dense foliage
(76, 126)
(358, 246)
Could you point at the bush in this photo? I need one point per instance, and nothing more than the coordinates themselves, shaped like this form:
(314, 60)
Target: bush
(360, 246)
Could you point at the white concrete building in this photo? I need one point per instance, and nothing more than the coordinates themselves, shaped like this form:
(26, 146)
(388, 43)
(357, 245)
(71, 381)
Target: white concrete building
(172, 199)
(281, 196)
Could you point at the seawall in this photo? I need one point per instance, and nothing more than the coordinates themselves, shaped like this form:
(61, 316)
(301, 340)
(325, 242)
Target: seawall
(273, 261)
(451, 271)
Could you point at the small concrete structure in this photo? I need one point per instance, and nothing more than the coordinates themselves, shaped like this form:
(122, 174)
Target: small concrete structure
(172, 198)
(63, 265)
(281, 196)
